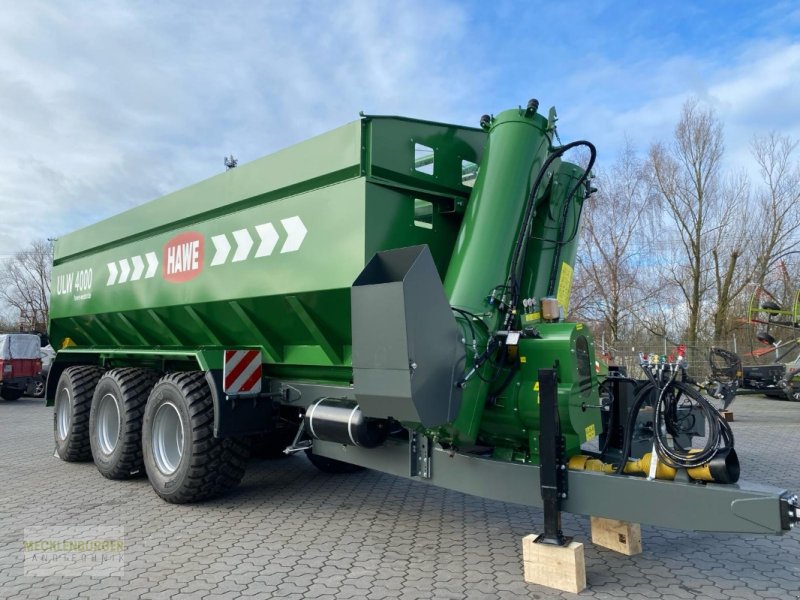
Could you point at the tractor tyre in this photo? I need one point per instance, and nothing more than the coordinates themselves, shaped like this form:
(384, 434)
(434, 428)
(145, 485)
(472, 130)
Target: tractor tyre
(71, 415)
(115, 421)
(184, 461)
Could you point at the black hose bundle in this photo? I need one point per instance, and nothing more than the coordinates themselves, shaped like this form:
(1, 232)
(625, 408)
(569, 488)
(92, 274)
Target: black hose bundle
(719, 438)
(666, 421)
(518, 256)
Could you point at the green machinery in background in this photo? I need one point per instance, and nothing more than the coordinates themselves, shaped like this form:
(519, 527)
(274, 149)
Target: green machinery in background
(354, 297)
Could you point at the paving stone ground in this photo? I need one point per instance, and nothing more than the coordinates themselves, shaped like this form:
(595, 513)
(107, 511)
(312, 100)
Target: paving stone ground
(292, 532)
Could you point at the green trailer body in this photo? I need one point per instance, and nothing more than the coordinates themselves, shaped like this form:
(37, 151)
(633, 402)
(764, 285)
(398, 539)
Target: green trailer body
(389, 277)
(264, 255)
(276, 243)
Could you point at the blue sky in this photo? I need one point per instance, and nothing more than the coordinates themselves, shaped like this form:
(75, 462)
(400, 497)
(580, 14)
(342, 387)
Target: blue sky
(105, 105)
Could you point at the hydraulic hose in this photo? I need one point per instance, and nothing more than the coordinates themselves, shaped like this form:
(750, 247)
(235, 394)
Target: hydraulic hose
(720, 435)
(518, 256)
(665, 411)
(559, 241)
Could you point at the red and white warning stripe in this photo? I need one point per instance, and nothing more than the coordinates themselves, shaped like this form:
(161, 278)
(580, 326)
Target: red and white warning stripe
(242, 372)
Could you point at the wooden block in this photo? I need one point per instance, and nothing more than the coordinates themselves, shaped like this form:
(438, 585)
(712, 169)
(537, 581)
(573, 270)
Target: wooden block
(620, 536)
(559, 567)
(727, 415)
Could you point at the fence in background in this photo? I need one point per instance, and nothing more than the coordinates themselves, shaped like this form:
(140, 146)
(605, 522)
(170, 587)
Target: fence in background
(627, 354)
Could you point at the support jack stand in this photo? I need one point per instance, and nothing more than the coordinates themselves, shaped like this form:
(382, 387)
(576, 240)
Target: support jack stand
(551, 559)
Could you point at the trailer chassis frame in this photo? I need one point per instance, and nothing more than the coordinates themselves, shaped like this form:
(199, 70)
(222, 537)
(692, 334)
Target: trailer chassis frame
(704, 507)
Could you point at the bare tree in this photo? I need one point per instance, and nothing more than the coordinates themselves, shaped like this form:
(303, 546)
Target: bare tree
(609, 265)
(25, 284)
(731, 262)
(685, 175)
(7, 323)
(708, 236)
(776, 227)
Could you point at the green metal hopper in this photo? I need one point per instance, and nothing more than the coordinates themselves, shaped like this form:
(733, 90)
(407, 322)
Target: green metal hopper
(265, 254)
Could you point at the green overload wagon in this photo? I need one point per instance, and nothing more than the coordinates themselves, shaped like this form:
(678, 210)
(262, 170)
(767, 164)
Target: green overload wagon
(353, 297)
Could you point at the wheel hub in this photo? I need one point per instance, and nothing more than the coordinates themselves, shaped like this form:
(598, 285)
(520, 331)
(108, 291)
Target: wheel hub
(108, 423)
(167, 441)
(63, 414)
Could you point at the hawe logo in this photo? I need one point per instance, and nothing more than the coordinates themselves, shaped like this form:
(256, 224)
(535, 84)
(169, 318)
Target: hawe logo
(183, 257)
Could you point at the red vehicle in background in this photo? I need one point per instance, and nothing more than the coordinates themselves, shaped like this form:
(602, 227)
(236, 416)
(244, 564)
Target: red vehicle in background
(20, 363)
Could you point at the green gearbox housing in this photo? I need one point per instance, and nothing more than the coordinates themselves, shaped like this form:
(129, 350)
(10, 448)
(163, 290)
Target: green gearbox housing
(266, 256)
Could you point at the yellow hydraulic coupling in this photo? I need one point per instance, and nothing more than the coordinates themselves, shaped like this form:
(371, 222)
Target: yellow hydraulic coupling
(642, 467)
(723, 468)
(581, 462)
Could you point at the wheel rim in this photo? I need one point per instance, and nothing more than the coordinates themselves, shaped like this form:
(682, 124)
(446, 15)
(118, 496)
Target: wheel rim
(63, 414)
(108, 423)
(167, 438)
(38, 390)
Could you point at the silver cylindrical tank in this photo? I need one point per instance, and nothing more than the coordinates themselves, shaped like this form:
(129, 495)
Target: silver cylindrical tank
(341, 421)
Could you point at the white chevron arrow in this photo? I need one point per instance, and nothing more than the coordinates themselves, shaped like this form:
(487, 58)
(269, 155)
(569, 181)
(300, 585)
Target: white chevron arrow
(112, 273)
(244, 242)
(269, 237)
(221, 249)
(152, 264)
(125, 270)
(296, 233)
(138, 268)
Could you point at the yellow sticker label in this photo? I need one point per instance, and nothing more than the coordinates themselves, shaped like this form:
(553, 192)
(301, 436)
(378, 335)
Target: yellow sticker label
(533, 317)
(579, 326)
(523, 359)
(564, 287)
(536, 387)
(590, 433)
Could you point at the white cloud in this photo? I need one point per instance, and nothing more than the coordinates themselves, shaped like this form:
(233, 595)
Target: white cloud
(756, 91)
(760, 94)
(106, 105)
